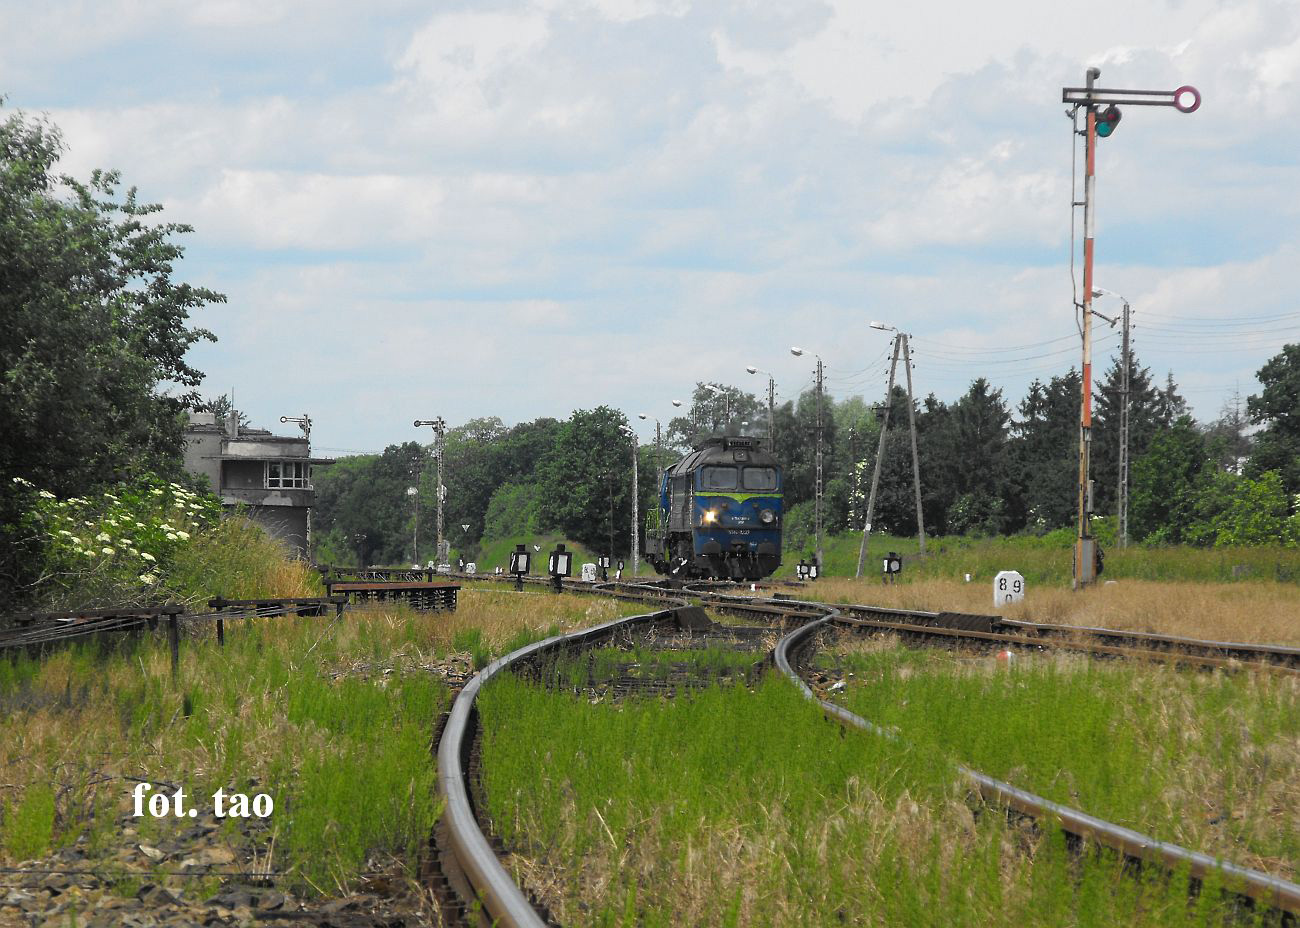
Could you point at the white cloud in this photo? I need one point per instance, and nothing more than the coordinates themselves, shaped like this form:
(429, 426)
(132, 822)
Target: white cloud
(540, 198)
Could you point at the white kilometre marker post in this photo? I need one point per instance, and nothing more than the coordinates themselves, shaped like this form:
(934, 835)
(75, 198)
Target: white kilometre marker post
(1008, 587)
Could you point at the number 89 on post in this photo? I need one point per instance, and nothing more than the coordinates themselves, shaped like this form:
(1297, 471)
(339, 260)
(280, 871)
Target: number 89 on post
(1008, 587)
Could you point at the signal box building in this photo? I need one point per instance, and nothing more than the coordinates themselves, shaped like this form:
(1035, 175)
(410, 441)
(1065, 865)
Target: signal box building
(266, 476)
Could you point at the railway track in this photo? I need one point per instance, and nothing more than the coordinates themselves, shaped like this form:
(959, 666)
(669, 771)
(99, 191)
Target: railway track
(469, 851)
(463, 867)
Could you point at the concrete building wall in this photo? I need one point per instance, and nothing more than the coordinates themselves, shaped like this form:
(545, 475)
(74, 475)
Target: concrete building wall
(285, 524)
(203, 448)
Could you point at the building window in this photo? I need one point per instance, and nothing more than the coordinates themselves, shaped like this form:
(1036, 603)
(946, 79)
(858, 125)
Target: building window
(295, 475)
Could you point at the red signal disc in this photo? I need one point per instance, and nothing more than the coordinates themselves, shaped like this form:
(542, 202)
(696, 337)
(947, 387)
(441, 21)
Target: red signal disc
(1185, 107)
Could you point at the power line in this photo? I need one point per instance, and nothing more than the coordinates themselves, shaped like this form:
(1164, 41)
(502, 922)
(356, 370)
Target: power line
(1024, 347)
(1221, 320)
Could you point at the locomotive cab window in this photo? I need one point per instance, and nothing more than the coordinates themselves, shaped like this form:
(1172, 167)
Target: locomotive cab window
(718, 478)
(760, 478)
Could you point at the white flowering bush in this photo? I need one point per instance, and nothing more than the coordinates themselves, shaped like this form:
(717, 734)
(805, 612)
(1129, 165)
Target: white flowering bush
(117, 546)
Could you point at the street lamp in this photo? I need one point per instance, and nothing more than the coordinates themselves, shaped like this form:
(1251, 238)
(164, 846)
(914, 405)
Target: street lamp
(817, 496)
(726, 403)
(628, 432)
(771, 402)
(1125, 361)
(412, 492)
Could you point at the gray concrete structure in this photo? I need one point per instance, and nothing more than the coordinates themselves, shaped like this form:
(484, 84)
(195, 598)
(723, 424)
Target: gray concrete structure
(269, 476)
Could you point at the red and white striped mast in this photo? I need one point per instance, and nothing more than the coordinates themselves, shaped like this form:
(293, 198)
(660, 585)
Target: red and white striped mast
(1185, 99)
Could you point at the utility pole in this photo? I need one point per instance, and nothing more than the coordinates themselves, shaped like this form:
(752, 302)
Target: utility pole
(900, 347)
(916, 460)
(1123, 435)
(439, 446)
(820, 431)
(636, 494)
(880, 454)
(1186, 99)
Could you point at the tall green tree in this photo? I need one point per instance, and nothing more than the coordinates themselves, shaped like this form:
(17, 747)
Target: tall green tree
(1147, 414)
(1277, 408)
(1165, 484)
(1170, 406)
(363, 514)
(1045, 449)
(93, 327)
(585, 482)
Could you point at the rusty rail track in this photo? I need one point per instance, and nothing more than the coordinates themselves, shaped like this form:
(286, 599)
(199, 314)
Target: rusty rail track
(502, 899)
(794, 649)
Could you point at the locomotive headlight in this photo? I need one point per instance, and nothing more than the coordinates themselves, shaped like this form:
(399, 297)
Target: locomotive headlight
(710, 515)
(767, 517)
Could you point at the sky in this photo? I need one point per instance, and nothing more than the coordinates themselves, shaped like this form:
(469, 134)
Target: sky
(521, 209)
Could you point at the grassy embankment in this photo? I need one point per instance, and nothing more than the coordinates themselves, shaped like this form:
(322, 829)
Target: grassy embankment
(1181, 591)
(332, 719)
(738, 807)
(1047, 560)
(1207, 760)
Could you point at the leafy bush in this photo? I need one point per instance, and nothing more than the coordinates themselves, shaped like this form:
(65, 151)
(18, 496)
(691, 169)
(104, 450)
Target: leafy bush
(116, 547)
(149, 541)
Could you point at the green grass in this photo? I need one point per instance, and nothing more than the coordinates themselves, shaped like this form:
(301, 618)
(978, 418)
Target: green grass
(1047, 559)
(735, 807)
(1207, 760)
(29, 825)
(495, 552)
(346, 760)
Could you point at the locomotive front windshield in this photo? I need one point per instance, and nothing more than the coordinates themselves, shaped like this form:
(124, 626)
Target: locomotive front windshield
(760, 478)
(718, 478)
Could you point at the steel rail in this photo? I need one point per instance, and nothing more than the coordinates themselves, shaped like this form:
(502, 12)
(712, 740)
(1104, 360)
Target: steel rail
(1259, 886)
(1228, 655)
(500, 895)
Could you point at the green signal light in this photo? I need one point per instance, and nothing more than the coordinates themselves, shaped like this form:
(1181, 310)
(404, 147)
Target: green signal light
(1107, 120)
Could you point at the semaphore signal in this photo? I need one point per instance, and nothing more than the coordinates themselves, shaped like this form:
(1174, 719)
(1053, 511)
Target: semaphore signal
(1185, 99)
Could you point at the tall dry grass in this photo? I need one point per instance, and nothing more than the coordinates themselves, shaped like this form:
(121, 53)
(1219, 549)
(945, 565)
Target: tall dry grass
(1256, 612)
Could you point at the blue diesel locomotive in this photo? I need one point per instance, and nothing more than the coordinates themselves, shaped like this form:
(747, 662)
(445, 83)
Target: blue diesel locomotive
(719, 513)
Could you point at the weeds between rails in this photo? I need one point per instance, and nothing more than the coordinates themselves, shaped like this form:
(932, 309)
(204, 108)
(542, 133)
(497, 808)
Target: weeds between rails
(1206, 760)
(332, 717)
(733, 806)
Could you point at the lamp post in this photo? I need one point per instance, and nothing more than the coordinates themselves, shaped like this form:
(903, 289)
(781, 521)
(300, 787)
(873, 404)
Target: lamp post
(817, 493)
(1122, 504)
(694, 425)
(771, 403)
(726, 404)
(413, 493)
(636, 500)
(439, 444)
(659, 488)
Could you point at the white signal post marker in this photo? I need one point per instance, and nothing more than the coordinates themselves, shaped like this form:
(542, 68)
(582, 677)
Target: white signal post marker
(1008, 587)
